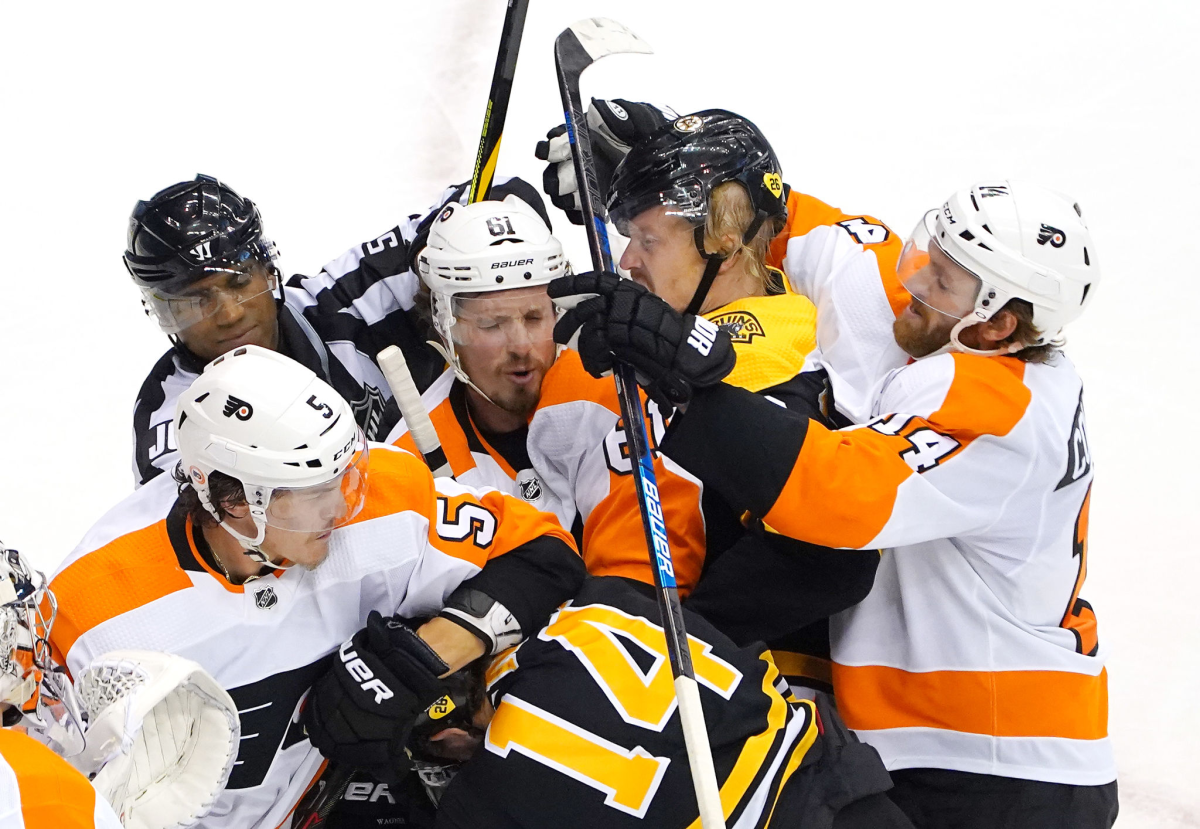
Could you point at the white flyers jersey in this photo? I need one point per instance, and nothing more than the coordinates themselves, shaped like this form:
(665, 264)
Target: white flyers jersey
(474, 459)
(974, 649)
(40, 790)
(143, 578)
(846, 264)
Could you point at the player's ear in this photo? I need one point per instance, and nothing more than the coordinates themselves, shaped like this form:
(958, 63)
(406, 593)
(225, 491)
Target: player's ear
(236, 510)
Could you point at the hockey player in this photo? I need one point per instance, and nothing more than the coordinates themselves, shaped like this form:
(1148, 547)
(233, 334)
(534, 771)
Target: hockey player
(207, 274)
(974, 665)
(484, 271)
(283, 529)
(38, 789)
(700, 199)
(579, 726)
(183, 757)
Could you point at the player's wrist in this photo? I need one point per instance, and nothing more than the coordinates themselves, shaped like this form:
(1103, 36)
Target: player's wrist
(454, 644)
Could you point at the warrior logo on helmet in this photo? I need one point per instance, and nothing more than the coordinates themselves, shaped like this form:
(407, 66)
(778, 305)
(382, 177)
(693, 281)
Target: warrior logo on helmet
(1053, 235)
(236, 407)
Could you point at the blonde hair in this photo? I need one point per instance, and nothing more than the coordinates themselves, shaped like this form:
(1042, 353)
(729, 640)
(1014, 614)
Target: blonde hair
(729, 215)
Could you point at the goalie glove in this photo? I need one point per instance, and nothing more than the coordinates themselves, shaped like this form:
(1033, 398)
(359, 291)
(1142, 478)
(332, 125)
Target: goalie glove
(614, 127)
(162, 737)
(622, 321)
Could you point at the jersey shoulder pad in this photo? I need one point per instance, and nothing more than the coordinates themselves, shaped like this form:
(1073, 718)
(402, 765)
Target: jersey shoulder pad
(964, 395)
(772, 336)
(806, 213)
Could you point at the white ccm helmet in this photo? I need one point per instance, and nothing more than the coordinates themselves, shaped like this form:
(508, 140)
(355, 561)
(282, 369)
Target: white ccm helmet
(1022, 241)
(484, 247)
(286, 435)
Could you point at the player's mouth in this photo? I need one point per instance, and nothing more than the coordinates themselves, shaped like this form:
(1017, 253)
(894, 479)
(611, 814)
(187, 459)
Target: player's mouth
(522, 377)
(247, 336)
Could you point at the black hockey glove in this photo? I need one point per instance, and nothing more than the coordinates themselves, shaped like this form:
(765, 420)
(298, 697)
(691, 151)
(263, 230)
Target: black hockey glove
(671, 352)
(614, 127)
(362, 710)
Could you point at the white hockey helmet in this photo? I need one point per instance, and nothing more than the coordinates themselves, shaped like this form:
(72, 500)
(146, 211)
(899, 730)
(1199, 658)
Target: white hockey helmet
(286, 435)
(1021, 241)
(32, 690)
(487, 247)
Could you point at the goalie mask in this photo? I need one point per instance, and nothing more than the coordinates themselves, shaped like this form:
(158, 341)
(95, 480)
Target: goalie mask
(284, 434)
(475, 253)
(32, 691)
(991, 243)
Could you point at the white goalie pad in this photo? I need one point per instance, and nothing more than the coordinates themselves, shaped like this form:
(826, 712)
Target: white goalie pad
(161, 740)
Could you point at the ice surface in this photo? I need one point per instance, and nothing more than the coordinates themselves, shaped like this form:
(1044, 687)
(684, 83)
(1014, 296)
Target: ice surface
(339, 119)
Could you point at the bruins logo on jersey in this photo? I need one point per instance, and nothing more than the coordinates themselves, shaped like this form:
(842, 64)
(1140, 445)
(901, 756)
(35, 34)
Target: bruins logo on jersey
(742, 326)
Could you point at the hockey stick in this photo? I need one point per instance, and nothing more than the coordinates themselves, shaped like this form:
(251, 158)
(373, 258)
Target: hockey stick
(497, 107)
(575, 49)
(395, 371)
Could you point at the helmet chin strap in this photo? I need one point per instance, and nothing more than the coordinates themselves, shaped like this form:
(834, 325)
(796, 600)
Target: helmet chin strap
(251, 546)
(956, 345)
(451, 357)
(713, 261)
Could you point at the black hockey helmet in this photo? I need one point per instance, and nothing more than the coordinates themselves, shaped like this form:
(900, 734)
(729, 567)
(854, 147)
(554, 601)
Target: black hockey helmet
(681, 164)
(192, 229)
(465, 690)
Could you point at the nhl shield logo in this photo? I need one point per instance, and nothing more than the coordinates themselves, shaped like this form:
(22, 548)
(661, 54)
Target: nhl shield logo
(266, 598)
(531, 488)
(368, 411)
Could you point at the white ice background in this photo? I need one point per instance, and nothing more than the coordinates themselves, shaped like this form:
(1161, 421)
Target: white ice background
(339, 118)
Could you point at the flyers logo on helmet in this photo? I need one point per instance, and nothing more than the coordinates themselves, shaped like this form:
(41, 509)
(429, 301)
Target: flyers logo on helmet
(742, 326)
(773, 183)
(236, 407)
(1053, 235)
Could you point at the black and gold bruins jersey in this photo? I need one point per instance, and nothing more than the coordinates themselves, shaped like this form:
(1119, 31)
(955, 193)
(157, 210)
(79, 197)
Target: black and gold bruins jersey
(586, 731)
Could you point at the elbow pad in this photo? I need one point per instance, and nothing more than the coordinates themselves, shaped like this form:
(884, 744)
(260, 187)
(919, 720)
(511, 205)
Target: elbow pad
(485, 617)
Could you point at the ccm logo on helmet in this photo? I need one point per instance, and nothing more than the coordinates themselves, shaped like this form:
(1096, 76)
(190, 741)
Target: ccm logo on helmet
(236, 407)
(515, 263)
(359, 670)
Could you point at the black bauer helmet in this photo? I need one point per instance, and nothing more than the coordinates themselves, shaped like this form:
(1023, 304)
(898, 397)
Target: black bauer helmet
(191, 229)
(680, 165)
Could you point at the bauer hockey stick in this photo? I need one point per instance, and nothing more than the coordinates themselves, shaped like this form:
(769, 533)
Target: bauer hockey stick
(575, 49)
(497, 106)
(395, 371)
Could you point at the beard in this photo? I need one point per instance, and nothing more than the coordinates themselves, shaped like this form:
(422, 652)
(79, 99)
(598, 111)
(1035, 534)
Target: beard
(921, 331)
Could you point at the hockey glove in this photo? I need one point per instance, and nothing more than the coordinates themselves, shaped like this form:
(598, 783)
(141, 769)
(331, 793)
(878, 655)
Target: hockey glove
(614, 127)
(671, 352)
(362, 710)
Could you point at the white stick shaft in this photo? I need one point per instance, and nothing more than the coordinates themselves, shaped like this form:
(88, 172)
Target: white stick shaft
(695, 737)
(395, 370)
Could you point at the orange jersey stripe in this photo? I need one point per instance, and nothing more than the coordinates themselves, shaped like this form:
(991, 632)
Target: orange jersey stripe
(53, 794)
(450, 435)
(999, 703)
(847, 480)
(133, 570)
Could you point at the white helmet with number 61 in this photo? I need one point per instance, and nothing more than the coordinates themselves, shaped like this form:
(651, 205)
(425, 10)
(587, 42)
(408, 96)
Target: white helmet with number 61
(485, 248)
(286, 435)
(1020, 241)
